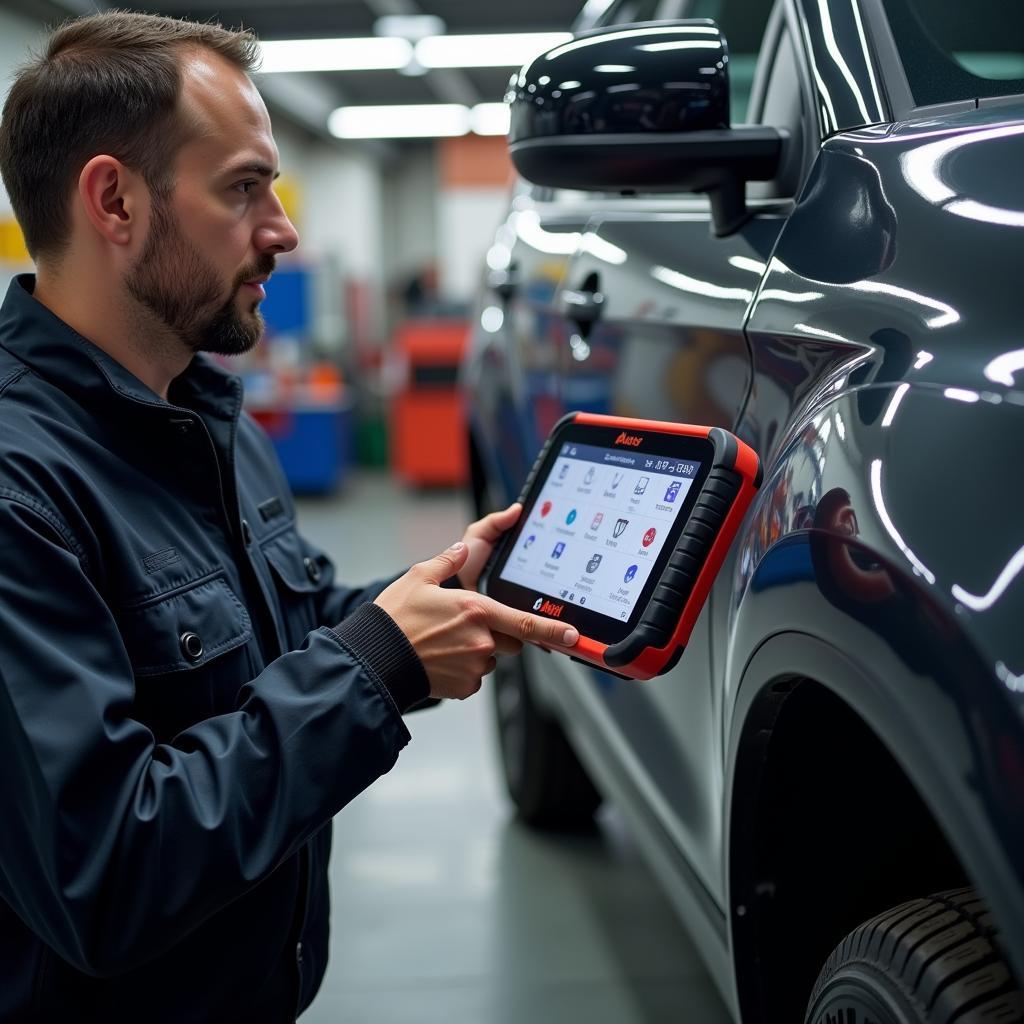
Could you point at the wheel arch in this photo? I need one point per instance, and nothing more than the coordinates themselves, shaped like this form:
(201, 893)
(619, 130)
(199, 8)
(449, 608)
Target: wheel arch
(819, 754)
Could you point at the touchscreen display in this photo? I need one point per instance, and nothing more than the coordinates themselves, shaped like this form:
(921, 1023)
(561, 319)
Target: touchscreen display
(594, 533)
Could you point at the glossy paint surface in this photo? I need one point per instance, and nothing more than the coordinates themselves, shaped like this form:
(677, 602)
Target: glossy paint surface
(910, 309)
(669, 345)
(887, 404)
(638, 79)
(848, 86)
(866, 342)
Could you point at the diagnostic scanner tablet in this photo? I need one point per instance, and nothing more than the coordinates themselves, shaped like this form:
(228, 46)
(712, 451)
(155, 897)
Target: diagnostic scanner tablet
(625, 525)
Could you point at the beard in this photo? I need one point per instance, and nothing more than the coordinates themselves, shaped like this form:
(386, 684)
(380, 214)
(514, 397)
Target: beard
(177, 285)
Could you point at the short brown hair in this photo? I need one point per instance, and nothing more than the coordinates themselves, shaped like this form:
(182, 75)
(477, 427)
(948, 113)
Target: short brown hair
(107, 83)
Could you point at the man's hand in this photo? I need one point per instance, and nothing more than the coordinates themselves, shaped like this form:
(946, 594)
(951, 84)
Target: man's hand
(457, 633)
(480, 538)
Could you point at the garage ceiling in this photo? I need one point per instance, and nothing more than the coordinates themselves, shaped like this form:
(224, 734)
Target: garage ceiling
(310, 19)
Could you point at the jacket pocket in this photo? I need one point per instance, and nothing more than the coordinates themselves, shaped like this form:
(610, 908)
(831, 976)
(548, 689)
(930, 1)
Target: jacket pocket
(185, 629)
(300, 580)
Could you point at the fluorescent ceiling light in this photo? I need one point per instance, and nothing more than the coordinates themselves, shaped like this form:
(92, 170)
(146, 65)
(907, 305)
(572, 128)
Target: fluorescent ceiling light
(409, 26)
(400, 121)
(418, 121)
(490, 119)
(370, 54)
(390, 53)
(497, 50)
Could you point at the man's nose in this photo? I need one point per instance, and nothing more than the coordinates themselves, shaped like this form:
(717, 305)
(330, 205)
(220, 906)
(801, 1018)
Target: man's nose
(277, 233)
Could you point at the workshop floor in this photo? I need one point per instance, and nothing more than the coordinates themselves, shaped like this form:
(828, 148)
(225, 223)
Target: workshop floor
(446, 909)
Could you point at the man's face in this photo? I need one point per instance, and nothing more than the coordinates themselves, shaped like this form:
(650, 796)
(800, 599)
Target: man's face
(213, 241)
(185, 290)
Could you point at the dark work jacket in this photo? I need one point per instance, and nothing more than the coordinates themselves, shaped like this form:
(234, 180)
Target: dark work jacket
(186, 696)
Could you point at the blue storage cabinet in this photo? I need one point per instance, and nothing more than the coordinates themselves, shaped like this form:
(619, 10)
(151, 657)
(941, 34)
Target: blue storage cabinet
(314, 444)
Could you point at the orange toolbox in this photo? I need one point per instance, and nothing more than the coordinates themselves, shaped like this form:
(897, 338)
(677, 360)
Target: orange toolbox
(428, 426)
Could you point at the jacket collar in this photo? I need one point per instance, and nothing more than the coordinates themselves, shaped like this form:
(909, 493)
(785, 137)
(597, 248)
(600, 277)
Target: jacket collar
(59, 354)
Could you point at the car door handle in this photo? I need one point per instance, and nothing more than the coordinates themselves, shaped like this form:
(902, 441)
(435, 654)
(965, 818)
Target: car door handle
(584, 306)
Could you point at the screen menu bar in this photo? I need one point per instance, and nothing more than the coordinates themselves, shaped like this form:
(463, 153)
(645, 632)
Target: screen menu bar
(630, 460)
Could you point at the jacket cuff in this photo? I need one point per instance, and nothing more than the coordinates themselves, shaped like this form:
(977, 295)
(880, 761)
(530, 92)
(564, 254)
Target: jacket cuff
(372, 634)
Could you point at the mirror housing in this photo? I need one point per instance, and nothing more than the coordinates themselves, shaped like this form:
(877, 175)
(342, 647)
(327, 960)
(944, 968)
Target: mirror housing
(643, 108)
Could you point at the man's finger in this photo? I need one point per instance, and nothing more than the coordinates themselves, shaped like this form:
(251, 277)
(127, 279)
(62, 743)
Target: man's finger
(507, 644)
(447, 564)
(533, 629)
(492, 526)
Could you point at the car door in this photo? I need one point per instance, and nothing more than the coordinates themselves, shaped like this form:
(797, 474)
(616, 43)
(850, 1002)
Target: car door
(521, 336)
(654, 306)
(517, 346)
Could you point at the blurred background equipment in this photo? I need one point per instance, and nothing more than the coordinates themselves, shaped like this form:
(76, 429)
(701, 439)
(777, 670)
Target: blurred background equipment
(389, 120)
(429, 431)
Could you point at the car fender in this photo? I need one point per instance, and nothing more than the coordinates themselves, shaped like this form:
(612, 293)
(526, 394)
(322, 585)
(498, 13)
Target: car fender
(866, 564)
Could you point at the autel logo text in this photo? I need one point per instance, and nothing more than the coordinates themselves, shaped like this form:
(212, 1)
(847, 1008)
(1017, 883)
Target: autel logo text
(632, 440)
(548, 608)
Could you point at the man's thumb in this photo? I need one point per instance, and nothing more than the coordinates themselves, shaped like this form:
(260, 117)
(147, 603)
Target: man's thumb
(447, 564)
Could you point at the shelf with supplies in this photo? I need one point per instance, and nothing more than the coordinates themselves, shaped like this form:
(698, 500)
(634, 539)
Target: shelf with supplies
(298, 397)
(308, 416)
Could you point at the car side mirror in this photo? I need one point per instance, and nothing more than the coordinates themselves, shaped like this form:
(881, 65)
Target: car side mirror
(641, 108)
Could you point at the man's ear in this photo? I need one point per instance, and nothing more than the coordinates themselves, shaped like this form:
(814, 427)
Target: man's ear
(112, 199)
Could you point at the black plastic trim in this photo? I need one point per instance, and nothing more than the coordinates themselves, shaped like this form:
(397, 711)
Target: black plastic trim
(662, 161)
(591, 665)
(496, 551)
(659, 620)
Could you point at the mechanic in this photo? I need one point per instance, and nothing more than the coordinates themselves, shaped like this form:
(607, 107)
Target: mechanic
(186, 695)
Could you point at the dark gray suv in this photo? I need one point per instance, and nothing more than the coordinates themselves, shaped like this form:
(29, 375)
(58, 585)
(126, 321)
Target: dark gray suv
(802, 221)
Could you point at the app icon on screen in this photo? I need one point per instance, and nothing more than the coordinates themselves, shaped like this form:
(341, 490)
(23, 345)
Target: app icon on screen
(598, 520)
(583, 600)
(529, 540)
(564, 592)
(558, 549)
(619, 527)
(570, 518)
(630, 573)
(673, 490)
(563, 471)
(649, 537)
(589, 478)
(616, 480)
(545, 509)
(593, 564)
(641, 485)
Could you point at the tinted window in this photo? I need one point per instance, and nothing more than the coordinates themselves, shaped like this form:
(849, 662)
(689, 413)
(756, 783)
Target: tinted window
(742, 23)
(636, 10)
(784, 108)
(627, 12)
(959, 49)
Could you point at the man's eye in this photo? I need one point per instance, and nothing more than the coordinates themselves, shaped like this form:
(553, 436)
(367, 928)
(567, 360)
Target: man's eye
(245, 187)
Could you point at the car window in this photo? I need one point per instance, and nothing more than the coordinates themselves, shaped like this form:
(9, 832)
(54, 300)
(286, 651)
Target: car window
(627, 12)
(634, 10)
(955, 50)
(742, 23)
(784, 106)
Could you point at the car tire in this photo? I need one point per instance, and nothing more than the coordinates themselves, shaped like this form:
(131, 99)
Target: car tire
(930, 961)
(547, 783)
